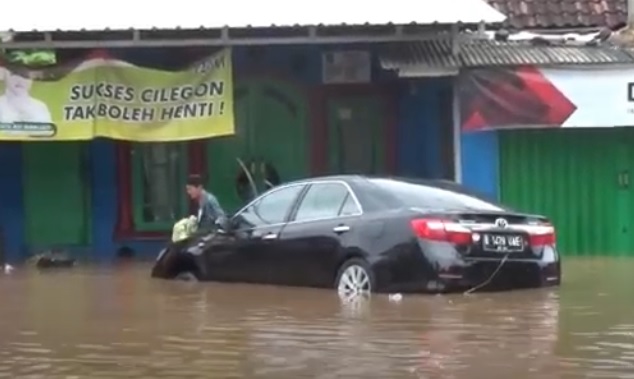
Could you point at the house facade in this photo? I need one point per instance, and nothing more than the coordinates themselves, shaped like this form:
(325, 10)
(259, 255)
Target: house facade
(543, 112)
(389, 97)
(308, 100)
(578, 174)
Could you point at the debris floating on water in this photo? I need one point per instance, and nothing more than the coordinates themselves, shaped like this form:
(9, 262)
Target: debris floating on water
(52, 259)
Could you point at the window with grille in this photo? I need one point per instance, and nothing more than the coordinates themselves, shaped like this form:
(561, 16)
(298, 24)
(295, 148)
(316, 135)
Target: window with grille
(159, 173)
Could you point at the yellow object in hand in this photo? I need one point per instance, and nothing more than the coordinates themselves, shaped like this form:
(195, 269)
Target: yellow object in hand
(184, 228)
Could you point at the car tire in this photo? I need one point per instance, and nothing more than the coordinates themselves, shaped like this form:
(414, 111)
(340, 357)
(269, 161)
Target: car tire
(186, 276)
(355, 276)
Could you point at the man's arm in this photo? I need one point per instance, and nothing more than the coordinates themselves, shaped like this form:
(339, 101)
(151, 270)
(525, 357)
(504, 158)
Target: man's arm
(211, 213)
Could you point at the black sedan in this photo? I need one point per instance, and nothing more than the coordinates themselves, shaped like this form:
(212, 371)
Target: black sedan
(366, 234)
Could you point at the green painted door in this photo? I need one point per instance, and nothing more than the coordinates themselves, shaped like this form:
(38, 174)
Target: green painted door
(223, 153)
(277, 133)
(355, 135)
(56, 194)
(572, 177)
(271, 126)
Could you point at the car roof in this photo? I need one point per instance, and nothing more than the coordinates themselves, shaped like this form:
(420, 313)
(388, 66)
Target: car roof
(360, 182)
(360, 179)
(373, 196)
(340, 178)
(444, 184)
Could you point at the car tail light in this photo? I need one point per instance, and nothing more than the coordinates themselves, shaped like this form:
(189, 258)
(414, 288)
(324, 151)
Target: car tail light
(543, 234)
(441, 230)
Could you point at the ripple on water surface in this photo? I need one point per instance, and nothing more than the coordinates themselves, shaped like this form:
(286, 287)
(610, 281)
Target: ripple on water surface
(116, 323)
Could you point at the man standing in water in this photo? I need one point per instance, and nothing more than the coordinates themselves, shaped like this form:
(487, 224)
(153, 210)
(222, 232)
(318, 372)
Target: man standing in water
(210, 213)
(210, 218)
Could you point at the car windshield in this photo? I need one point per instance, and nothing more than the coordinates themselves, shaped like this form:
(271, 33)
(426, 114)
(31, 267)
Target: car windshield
(444, 196)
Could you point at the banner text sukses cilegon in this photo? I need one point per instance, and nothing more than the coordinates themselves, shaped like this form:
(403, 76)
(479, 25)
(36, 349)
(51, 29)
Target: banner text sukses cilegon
(124, 103)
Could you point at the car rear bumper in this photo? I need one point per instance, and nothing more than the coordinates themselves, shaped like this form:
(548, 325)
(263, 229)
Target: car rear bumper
(512, 274)
(486, 275)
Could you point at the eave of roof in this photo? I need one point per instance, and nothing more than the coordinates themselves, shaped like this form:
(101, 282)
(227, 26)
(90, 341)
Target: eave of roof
(417, 58)
(79, 15)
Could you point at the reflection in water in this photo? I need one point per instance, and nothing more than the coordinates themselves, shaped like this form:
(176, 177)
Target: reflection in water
(112, 323)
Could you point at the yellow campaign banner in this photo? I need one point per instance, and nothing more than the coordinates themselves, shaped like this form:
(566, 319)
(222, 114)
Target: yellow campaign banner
(104, 97)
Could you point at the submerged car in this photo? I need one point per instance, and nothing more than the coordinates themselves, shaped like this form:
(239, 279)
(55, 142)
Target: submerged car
(368, 234)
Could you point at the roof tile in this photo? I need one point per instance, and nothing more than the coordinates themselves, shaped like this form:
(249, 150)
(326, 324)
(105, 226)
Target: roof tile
(550, 14)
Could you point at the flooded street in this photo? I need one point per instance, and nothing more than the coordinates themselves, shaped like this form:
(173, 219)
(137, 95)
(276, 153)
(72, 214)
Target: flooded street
(117, 322)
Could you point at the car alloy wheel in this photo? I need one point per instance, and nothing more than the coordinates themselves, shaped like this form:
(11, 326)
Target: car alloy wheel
(354, 279)
(186, 276)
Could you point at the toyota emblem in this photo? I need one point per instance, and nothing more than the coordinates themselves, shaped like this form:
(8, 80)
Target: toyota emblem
(501, 223)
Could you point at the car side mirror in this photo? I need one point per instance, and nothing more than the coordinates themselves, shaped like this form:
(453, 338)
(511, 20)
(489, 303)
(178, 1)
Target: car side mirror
(233, 224)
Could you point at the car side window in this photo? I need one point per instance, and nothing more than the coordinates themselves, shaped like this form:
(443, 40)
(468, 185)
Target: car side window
(248, 219)
(270, 209)
(349, 207)
(322, 201)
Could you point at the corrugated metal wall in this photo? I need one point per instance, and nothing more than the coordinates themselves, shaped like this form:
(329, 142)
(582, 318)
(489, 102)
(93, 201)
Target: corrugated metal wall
(572, 176)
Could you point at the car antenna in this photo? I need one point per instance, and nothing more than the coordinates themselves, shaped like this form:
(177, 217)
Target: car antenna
(248, 174)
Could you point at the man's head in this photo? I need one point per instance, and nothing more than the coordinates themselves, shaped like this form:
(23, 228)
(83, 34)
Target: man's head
(16, 84)
(194, 186)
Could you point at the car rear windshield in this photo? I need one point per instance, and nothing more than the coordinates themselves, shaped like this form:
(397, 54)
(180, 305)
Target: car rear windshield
(435, 198)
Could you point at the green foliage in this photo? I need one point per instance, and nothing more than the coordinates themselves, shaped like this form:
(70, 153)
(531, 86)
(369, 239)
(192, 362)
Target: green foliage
(31, 58)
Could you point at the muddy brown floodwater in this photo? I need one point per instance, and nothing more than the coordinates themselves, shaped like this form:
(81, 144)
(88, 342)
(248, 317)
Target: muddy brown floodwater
(118, 323)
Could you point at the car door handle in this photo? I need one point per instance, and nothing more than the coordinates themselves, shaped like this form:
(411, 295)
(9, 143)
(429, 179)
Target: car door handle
(341, 229)
(269, 236)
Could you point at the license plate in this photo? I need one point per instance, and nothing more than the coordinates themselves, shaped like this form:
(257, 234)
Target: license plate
(501, 242)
